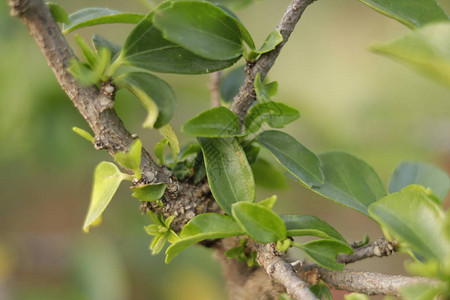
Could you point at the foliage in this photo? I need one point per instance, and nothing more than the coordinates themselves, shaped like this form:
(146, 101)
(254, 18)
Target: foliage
(196, 37)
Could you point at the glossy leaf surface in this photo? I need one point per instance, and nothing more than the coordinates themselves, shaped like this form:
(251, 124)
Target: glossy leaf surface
(325, 252)
(107, 178)
(293, 156)
(98, 15)
(426, 50)
(149, 192)
(349, 181)
(412, 217)
(155, 94)
(268, 176)
(275, 114)
(216, 122)
(146, 48)
(201, 28)
(203, 227)
(229, 174)
(412, 13)
(299, 225)
(423, 174)
(259, 222)
(100, 42)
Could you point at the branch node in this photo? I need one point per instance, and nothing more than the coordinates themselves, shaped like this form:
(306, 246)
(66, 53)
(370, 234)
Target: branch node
(98, 144)
(18, 8)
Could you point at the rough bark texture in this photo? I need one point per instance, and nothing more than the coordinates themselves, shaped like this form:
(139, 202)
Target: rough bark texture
(183, 199)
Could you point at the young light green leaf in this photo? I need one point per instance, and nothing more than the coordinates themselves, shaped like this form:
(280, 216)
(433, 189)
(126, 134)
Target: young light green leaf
(168, 133)
(267, 176)
(58, 13)
(259, 222)
(215, 122)
(233, 4)
(97, 15)
(321, 290)
(293, 156)
(231, 83)
(412, 217)
(82, 72)
(203, 227)
(107, 178)
(88, 53)
(411, 13)
(349, 181)
(100, 42)
(159, 150)
(201, 28)
(84, 134)
(423, 174)
(189, 151)
(229, 174)
(149, 192)
(325, 252)
(299, 225)
(422, 291)
(146, 48)
(155, 94)
(272, 40)
(268, 202)
(275, 114)
(262, 94)
(356, 296)
(425, 50)
(132, 158)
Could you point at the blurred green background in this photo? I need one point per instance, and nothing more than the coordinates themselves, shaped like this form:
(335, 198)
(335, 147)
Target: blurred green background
(350, 99)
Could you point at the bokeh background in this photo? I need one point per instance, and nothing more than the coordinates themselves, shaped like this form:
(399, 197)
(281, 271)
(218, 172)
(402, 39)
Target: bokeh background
(350, 99)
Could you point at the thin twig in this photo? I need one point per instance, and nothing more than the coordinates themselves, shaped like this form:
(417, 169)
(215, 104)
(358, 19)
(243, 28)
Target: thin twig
(277, 268)
(369, 283)
(214, 88)
(246, 95)
(378, 248)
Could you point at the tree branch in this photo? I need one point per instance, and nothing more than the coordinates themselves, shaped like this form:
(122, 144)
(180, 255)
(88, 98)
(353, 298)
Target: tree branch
(365, 282)
(378, 248)
(246, 95)
(277, 268)
(181, 199)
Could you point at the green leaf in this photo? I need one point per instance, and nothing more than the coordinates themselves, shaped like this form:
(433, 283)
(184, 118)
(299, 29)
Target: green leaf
(149, 192)
(107, 178)
(189, 151)
(262, 93)
(268, 202)
(155, 94)
(88, 53)
(415, 219)
(421, 291)
(423, 174)
(97, 15)
(201, 28)
(100, 42)
(267, 176)
(425, 50)
(167, 132)
(132, 158)
(146, 48)
(84, 134)
(356, 296)
(321, 290)
(259, 222)
(82, 72)
(203, 227)
(231, 83)
(299, 225)
(349, 181)
(325, 252)
(215, 122)
(233, 4)
(272, 40)
(275, 114)
(229, 174)
(159, 150)
(293, 156)
(411, 13)
(58, 13)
